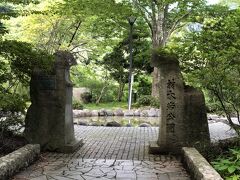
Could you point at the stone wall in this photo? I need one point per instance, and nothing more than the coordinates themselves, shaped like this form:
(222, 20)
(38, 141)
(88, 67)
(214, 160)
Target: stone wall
(150, 112)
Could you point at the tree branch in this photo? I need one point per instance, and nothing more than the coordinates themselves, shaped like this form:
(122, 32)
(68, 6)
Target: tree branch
(75, 32)
(142, 11)
(176, 23)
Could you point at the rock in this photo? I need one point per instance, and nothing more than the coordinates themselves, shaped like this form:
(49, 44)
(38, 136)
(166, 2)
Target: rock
(144, 125)
(158, 112)
(87, 113)
(129, 113)
(128, 125)
(109, 113)
(79, 94)
(118, 112)
(137, 112)
(82, 123)
(95, 113)
(152, 112)
(93, 124)
(144, 113)
(113, 124)
(78, 113)
(212, 117)
(102, 112)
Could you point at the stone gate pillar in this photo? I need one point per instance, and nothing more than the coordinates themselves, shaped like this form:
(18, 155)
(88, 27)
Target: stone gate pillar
(49, 120)
(183, 120)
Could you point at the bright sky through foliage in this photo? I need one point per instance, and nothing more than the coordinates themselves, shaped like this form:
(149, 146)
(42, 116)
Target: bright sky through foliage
(213, 1)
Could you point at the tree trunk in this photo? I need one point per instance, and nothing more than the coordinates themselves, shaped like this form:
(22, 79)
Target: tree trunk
(158, 41)
(120, 91)
(101, 95)
(155, 82)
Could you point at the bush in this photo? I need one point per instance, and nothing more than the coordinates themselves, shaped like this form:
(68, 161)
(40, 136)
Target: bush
(86, 97)
(77, 105)
(229, 165)
(148, 101)
(10, 123)
(12, 103)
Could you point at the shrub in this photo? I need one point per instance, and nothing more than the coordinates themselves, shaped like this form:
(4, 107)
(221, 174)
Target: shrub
(10, 123)
(86, 97)
(229, 165)
(147, 100)
(77, 105)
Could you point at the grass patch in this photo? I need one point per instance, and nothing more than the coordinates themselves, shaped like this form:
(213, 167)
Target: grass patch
(109, 105)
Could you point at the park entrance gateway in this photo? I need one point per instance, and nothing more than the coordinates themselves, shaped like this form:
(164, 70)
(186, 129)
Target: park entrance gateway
(49, 120)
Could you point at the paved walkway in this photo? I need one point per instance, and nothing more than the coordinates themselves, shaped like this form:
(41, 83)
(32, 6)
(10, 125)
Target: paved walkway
(108, 153)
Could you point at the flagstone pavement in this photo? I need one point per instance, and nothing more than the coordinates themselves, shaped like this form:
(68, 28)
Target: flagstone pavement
(108, 153)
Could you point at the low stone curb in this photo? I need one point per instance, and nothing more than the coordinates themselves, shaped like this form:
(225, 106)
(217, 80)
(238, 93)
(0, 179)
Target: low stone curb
(17, 160)
(198, 166)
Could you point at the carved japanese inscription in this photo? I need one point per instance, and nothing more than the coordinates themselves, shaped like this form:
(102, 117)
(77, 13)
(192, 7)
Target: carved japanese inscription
(171, 105)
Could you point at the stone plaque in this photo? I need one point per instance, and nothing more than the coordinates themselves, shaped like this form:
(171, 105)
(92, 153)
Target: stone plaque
(47, 82)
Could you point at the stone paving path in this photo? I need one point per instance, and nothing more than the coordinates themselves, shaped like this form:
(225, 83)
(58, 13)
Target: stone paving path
(108, 153)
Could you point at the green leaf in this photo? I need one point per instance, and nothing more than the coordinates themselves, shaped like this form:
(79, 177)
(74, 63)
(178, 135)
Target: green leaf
(232, 169)
(224, 167)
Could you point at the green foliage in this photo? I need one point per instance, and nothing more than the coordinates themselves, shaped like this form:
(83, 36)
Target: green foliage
(77, 105)
(210, 60)
(12, 103)
(117, 62)
(18, 60)
(147, 100)
(142, 85)
(23, 59)
(94, 78)
(229, 165)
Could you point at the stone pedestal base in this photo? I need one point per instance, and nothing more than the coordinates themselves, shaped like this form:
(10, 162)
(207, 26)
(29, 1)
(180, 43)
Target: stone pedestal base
(154, 148)
(71, 147)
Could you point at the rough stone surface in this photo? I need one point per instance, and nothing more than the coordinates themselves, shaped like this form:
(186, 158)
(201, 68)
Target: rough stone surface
(109, 113)
(95, 113)
(152, 112)
(182, 107)
(144, 125)
(137, 112)
(144, 113)
(149, 112)
(18, 159)
(49, 119)
(87, 113)
(102, 112)
(78, 113)
(129, 113)
(109, 153)
(118, 112)
(198, 165)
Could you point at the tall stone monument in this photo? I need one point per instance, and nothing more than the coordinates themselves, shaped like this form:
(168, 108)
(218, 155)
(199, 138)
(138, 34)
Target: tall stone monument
(183, 120)
(49, 119)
